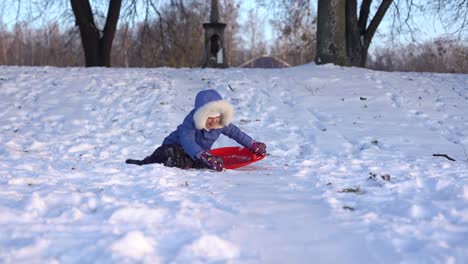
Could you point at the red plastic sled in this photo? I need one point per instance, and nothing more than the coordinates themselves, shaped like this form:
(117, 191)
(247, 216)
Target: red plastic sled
(236, 157)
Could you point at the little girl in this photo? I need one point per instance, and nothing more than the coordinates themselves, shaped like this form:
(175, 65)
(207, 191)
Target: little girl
(189, 145)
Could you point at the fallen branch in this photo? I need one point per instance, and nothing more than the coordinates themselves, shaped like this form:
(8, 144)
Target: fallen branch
(443, 155)
(356, 190)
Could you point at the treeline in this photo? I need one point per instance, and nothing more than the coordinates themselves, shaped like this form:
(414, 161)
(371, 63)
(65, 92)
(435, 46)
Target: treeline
(175, 38)
(139, 46)
(441, 55)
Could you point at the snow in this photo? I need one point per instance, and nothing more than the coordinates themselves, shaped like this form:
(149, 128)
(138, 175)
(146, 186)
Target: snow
(350, 176)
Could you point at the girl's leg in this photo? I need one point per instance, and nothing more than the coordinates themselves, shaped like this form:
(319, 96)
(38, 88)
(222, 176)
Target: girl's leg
(171, 155)
(158, 156)
(175, 156)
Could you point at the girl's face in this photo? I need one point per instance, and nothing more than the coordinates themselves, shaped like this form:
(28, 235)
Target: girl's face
(213, 122)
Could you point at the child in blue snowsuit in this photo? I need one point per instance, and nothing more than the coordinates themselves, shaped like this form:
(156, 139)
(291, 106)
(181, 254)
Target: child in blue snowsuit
(189, 145)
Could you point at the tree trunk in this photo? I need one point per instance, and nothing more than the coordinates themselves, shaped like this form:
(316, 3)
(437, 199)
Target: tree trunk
(358, 35)
(367, 34)
(353, 34)
(3, 48)
(331, 32)
(97, 44)
(343, 38)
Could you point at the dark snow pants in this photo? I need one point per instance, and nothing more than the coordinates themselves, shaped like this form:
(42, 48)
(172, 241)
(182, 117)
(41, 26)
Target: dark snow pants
(173, 155)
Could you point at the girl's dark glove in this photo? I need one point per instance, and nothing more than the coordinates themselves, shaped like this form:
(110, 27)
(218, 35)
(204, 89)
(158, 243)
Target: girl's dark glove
(213, 162)
(133, 161)
(258, 148)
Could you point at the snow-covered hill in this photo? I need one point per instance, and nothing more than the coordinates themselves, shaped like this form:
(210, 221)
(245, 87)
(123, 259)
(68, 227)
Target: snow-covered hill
(351, 176)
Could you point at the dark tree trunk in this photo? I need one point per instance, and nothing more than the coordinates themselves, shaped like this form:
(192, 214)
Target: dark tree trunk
(355, 39)
(367, 34)
(353, 34)
(331, 32)
(97, 44)
(358, 34)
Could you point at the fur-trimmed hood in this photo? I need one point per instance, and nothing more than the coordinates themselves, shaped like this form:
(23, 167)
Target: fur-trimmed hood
(209, 102)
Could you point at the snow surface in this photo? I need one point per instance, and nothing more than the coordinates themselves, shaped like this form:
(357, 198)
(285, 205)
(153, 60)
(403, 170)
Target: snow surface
(350, 176)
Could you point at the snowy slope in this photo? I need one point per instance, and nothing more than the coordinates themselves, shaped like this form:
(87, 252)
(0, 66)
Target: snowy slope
(350, 177)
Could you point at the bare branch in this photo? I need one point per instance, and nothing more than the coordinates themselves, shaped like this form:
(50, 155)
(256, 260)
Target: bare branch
(363, 16)
(375, 22)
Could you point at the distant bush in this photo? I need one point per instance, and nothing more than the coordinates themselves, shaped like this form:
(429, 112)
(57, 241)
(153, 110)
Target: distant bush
(440, 55)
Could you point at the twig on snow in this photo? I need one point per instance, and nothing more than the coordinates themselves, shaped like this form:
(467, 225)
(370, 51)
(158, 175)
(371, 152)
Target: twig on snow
(356, 190)
(443, 155)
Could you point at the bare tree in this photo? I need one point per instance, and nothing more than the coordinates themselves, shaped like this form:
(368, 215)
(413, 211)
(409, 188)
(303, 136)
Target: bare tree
(4, 40)
(294, 24)
(362, 22)
(17, 43)
(174, 38)
(97, 43)
(229, 14)
(343, 36)
(361, 26)
(440, 55)
(360, 30)
(254, 33)
(88, 15)
(451, 15)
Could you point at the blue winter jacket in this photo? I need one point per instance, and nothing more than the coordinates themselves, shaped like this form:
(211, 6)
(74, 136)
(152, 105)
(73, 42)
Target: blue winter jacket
(192, 134)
